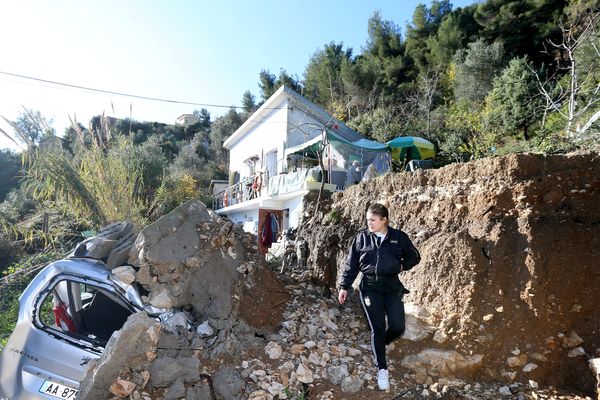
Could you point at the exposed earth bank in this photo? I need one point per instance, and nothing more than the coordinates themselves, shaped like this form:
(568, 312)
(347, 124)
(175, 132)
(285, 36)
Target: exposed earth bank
(510, 266)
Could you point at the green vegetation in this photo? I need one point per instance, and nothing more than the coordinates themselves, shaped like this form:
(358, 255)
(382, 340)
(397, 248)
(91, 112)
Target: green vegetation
(11, 288)
(332, 217)
(297, 394)
(490, 78)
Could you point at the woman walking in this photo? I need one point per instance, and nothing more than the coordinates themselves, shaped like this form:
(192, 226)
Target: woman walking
(380, 253)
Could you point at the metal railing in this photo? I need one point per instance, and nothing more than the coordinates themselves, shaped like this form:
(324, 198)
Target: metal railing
(239, 193)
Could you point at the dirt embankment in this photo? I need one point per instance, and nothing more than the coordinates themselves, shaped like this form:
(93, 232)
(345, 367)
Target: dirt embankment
(510, 248)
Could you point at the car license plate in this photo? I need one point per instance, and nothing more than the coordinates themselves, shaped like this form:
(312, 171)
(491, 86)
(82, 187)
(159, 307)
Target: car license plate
(57, 390)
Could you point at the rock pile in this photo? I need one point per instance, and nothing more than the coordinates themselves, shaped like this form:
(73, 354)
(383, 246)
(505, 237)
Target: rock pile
(193, 258)
(321, 351)
(207, 272)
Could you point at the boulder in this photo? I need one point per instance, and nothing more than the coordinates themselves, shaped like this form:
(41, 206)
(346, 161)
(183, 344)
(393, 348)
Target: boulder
(133, 344)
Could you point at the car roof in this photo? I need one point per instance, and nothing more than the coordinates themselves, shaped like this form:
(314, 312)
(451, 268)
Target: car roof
(84, 268)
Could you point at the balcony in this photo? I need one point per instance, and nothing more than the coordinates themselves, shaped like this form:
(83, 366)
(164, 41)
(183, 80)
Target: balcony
(248, 193)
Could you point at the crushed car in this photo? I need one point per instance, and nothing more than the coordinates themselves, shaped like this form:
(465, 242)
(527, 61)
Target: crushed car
(66, 316)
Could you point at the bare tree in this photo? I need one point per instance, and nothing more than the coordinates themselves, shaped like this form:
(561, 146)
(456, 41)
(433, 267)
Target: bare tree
(428, 90)
(574, 83)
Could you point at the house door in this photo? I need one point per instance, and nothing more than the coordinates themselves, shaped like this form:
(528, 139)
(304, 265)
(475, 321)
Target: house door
(269, 228)
(271, 165)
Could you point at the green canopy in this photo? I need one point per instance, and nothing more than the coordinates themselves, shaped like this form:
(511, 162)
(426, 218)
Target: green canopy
(418, 148)
(311, 147)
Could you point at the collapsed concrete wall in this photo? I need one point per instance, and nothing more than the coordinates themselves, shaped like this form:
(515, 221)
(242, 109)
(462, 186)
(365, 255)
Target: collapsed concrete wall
(510, 265)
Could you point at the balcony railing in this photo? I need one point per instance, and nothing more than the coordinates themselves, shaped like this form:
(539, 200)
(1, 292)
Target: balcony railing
(278, 185)
(238, 193)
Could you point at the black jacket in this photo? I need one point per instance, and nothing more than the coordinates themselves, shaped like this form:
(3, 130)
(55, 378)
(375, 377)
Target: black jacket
(395, 254)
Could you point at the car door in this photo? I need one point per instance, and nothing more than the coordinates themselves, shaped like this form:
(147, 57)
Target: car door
(68, 324)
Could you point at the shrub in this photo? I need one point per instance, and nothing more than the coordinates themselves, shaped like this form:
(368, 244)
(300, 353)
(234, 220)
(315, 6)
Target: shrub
(173, 191)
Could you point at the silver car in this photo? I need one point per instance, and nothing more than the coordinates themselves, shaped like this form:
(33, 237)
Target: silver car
(67, 314)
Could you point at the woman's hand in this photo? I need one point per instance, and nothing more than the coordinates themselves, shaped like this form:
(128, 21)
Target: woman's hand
(342, 296)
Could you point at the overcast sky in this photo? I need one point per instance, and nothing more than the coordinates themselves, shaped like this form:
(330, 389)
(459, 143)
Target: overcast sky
(207, 52)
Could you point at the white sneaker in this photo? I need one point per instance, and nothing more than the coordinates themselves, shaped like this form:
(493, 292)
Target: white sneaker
(383, 379)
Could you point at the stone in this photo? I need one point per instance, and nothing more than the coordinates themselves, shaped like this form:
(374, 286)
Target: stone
(166, 370)
(125, 274)
(451, 382)
(352, 352)
(161, 298)
(442, 362)
(259, 395)
(351, 384)
(538, 357)
(297, 349)
(337, 373)
(228, 383)
(287, 367)
(127, 346)
(440, 336)
(304, 374)
(533, 384)
(434, 388)
(505, 391)
(122, 388)
(573, 340)
(517, 361)
(276, 388)
(273, 350)
(175, 391)
(143, 275)
(192, 262)
(338, 351)
(200, 391)
(529, 367)
(205, 279)
(512, 375)
(576, 352)
(415, 329)
(314, 358)
(594, 365)
(205, 330)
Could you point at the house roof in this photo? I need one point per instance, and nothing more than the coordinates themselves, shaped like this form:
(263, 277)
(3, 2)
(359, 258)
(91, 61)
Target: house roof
(295, 100)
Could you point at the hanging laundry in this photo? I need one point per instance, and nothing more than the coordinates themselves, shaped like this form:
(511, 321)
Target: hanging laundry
(274, 228)
(267, 232)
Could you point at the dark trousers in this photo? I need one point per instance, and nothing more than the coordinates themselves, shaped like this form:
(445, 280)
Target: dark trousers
(377, 306)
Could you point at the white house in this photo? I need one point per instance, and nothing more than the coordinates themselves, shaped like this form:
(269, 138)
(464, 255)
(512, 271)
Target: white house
(274, 163)
(186, 119)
